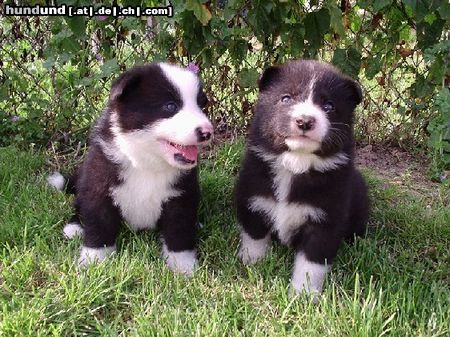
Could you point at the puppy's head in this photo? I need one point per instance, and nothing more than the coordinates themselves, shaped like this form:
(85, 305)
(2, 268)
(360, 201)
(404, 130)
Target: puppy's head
(156, 111)
(305, 107)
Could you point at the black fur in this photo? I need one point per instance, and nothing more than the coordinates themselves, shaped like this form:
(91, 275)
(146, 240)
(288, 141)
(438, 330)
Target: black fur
(139, 98)
(341, 192)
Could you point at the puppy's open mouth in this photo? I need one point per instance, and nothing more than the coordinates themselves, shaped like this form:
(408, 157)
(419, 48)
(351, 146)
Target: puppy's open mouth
(184, 154)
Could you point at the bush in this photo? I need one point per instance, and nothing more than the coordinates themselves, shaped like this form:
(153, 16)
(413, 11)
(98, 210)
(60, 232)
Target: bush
(56, 71)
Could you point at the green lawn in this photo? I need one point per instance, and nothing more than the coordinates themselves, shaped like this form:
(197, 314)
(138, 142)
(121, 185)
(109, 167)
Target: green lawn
(393, 282)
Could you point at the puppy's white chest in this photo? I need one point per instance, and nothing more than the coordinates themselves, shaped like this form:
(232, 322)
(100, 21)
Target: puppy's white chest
(286, 217)
(141, 195)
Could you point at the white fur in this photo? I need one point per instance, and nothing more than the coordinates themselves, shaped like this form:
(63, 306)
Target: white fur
(317, 134)
(94, 255)
(139, 148)
(146, 147)
(56, 180)
(282, 182)
(251, 251)
(180, 128)
(308, 276)
(286, 217)
(183, 262)
(142, 193)
(72, 229)
(299, 163)
(148, 170)
(147, 179)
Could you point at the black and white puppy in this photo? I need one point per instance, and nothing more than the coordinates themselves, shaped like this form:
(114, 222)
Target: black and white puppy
(297, 180)
(141, 165)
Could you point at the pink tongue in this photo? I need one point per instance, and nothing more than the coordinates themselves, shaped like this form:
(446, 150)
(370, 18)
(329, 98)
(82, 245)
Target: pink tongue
(189, 152)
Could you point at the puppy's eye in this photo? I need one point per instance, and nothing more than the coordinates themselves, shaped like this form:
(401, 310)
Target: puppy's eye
(328, 106)
(286, 98)
(171, 106)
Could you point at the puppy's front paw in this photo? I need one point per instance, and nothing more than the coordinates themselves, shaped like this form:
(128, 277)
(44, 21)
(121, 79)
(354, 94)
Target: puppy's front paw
(94, 255)
(307, 277)
(303, 290)
(184, 262)
(72, 230)
(252, 251)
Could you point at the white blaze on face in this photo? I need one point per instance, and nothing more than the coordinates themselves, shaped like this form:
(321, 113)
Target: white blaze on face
(315, 136)
(181, 127)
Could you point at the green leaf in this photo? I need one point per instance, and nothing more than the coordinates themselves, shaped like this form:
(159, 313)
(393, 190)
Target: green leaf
(238, 50)
(373, 66)
(421, 88)
(430, 18)
(419, 8)
(442, 103)
(296, 41)
(178, 5)
(380, 4)
(131, 23)
(348, 60)
(70, 45)
(317, 25)
(248, 78)
(427, 34)
(444, 10)
(4, 92)
(109, 67)
(49, 62)
(336, 19)
(437, 71)
(201, 12)
(77, 25)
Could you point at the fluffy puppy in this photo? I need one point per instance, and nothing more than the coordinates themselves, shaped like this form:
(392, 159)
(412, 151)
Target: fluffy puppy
(297, 180)
(141, 165)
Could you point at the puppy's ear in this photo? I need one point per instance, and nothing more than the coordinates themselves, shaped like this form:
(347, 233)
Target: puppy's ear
(357, 94)
(124, 85)
(269, 76)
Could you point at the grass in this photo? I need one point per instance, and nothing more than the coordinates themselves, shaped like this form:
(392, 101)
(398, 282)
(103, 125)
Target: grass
(394, 282)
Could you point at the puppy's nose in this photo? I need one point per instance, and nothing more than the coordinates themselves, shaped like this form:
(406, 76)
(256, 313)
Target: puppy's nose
(203, 133)
(305, 123)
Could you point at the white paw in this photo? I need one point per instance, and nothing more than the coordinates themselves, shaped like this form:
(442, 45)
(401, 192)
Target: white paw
(94, 255)
(252, 251)
(184, 262)
(72, 229)
(308, 277)
(56, 180)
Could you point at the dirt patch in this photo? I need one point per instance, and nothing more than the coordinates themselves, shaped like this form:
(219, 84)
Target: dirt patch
(398, 167)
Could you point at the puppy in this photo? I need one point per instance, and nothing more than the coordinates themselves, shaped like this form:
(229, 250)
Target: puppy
(297, 180)
(141, 165)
